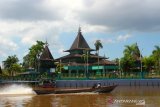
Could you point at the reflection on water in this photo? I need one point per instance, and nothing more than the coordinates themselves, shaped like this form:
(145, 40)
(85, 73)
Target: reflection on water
(120, 97)
(14, 101)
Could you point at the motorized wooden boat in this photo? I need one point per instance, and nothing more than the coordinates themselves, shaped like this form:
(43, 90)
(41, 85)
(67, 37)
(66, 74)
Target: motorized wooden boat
(102, 89)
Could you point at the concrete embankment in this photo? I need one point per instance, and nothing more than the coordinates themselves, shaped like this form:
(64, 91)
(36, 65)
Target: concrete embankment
(120, 82)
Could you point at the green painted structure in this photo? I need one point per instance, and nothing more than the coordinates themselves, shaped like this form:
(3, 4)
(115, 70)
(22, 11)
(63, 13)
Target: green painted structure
(82, 62)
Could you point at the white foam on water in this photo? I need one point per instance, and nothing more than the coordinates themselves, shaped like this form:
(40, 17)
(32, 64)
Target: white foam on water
(16, 89)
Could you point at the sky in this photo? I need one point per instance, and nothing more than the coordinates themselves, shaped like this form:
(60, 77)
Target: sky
(115, 22)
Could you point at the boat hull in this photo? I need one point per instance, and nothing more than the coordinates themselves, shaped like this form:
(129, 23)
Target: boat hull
(104, 89)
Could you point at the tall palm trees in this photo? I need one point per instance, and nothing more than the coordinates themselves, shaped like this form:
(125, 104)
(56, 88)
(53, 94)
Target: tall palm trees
(156, 56)
(85, 57)
(0, 70)
(98, 45)
(132, 58)
(132, 50)
(11, 63)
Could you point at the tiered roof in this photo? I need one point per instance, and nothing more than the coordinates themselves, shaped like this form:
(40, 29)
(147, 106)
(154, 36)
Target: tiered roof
(46, 58)
(46, 54)
(79, 43)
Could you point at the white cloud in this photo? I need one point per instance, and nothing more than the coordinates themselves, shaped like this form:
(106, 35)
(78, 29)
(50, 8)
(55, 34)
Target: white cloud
(3, 54)
(25, 21)
(132, 15)
(123, 37)
(108, 41)
(7, 44)
(104, 15)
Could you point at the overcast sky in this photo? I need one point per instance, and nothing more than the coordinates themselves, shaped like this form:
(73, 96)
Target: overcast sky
(115, 22)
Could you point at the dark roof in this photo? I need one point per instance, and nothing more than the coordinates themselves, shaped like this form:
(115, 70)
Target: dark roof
(102, 62)
(79, 56)
(46, 54)
(79, 42)
(106, 62)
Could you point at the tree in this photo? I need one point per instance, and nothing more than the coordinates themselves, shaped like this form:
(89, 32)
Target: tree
(132, 50)
(156, 56)
(31, 59)
(59, 68)
(85, 57)
(98, 45)
(9, 63)
(148, 63)
(0, 70)
(16, 68)
(132, 59)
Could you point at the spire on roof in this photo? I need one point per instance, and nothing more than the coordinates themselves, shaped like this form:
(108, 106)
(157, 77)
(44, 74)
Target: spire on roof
(46, 54)
(79, 30)
(79, 42)
(46, 43)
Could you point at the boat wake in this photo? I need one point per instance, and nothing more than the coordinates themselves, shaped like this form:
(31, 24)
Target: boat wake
(16, 89)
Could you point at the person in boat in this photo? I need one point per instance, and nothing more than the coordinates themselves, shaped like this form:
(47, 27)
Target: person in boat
(98, 85)
(47, 83)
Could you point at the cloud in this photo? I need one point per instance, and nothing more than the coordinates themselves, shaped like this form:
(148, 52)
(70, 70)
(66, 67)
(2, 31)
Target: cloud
(25, 21)
(123, 37)
(131, 15)
(95, 15)
(27, 10)
(7, 46)
(108, 41)
(113, 39)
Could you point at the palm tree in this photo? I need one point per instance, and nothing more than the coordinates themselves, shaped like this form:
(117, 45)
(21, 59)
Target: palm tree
(132, 50)
(98, 45)
(156, 55)
(85, 57)
(148, 63)
(9, 62)
(132, 58)
(0, 70)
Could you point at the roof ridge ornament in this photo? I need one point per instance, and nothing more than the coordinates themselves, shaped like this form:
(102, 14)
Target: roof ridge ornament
(46, 43)
(79, 29)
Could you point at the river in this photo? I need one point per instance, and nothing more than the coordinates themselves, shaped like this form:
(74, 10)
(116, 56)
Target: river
(122, 96)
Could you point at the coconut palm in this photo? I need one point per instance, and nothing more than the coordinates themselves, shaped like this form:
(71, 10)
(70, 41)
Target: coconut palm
(85, 57)
(132, 50)
(9, 62)
(0, 70)
(132, 58)
(98, 45)
(148, 63)
(156, 55)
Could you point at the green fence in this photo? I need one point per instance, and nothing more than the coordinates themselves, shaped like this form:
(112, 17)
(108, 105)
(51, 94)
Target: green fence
(111, 75)
(91, 76)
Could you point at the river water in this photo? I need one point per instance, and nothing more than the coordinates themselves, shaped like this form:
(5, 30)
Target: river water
(122, 96)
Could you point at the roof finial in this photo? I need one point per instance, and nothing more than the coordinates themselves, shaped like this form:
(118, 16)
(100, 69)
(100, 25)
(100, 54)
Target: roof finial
(46, 43)
(79, 30)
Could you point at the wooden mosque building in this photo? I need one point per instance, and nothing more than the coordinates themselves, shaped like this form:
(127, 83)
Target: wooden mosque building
(81, 62)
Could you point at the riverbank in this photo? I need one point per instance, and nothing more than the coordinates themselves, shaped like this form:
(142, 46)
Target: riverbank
(119, 82)
(90, 83)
